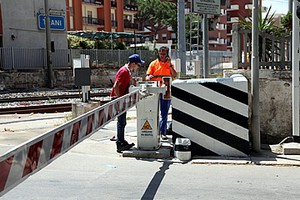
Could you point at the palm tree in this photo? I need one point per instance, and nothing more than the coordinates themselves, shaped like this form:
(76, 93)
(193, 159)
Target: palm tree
(266, 25)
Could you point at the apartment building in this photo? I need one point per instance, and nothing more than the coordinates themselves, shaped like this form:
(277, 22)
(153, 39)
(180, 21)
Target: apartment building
(236, 10)
(218, 36)
(101, 15)
(111, 16)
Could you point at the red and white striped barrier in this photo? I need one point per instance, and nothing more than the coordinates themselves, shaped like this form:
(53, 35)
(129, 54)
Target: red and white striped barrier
(28, 158)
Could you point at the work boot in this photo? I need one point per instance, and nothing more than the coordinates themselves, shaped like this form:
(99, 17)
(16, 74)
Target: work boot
(123, 146)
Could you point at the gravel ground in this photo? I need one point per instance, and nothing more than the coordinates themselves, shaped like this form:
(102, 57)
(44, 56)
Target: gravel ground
(46, 93)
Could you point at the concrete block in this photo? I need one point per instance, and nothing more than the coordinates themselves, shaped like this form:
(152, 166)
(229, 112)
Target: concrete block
(292, 148)
(162, 152)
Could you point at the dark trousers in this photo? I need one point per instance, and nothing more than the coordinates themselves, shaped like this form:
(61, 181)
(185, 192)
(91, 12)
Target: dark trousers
(121, 127)
(164, 109)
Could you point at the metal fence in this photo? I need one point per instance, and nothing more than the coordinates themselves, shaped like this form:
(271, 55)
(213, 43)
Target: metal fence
(218, 60)
(274, 51)
(102, 58)
(26, 59)
(33, 59)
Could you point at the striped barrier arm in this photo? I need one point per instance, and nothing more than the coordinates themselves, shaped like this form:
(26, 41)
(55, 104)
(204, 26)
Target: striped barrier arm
(29, 157)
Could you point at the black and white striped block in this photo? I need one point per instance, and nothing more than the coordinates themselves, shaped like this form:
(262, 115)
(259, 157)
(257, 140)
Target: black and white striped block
(213, 114)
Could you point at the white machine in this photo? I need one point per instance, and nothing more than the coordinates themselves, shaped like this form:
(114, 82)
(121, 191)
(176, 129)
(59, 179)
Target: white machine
(148, 136)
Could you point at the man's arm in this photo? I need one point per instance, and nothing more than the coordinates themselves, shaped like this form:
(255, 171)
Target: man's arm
(173, 71)
(149, 75)
(117, 88)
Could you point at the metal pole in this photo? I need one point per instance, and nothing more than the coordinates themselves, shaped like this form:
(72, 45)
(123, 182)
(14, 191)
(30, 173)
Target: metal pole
(191, 24)
(198, 29)
(205, 46)
(291, 5)
(295, 70)
(134, 41)
(255, 119)
(181, 36)
(48, 46)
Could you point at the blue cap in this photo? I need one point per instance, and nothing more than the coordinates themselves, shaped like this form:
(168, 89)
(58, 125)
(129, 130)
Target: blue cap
(135, 58)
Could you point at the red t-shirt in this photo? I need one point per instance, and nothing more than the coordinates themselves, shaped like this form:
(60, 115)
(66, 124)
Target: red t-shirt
(124, 77)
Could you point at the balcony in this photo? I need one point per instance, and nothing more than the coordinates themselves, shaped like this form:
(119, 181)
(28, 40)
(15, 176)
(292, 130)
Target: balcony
(233, 20)
(93, 21)
(233, 7)
(130, 25)
(131, 7)
(98, 2)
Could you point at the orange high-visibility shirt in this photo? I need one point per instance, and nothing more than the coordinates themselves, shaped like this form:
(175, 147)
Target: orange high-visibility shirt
(158, 69)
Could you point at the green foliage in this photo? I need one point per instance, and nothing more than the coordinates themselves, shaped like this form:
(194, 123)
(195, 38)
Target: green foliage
(75, 42)
(120, 45)
(157, 15)
(287, 21)
(265, 25)
(102, 44)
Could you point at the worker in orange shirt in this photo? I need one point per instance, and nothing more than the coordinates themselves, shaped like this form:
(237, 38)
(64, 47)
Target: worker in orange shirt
(162, 67)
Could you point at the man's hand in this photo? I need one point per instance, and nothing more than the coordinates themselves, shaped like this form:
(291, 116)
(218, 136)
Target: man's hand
(117, 107)
(149, 77)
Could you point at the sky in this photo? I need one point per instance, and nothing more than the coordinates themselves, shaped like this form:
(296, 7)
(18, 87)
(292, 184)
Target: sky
(278, 6)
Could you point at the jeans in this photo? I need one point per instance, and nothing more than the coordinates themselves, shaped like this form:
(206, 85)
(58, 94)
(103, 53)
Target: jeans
(164, 109)
(121, 127)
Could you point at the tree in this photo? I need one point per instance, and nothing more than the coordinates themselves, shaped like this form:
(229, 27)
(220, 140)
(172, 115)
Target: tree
(156, 15)
(287, 21)
(265, 25)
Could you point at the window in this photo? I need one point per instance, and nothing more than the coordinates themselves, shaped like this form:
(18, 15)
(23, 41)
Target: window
(173, 35)
(228, 17)
(90, 16)
(128, 17)
(164, 36)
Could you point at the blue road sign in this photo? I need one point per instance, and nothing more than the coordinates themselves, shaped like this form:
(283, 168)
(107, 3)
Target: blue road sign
(56, 22)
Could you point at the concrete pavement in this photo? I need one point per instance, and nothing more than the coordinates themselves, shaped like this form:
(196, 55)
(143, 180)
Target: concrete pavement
(17, 129)
(93, 168)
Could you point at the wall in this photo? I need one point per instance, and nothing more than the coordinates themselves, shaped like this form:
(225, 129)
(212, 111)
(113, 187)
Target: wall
(275, 99)
(100, 77)
(20, 21)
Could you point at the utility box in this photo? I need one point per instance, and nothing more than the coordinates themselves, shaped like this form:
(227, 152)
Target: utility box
(148, 136)
(182, 149)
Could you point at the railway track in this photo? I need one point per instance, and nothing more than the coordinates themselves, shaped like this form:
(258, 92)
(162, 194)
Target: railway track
(41, 98)
(32, 104)
(51, 108)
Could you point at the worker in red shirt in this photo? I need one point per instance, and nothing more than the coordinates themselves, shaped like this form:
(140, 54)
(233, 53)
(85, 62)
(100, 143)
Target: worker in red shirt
(120, 88)
(162, 67)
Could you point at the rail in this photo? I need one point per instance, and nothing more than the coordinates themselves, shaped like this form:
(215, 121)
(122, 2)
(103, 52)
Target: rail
(39, 98)
(51, 108)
